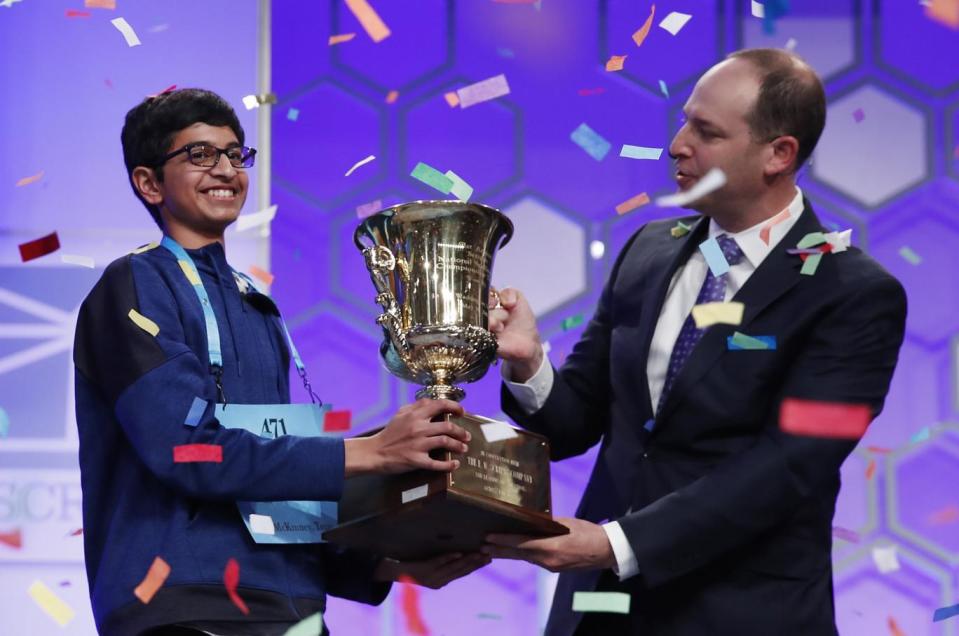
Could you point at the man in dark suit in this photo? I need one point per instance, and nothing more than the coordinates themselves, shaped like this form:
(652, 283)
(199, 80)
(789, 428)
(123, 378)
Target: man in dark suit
(700, 507)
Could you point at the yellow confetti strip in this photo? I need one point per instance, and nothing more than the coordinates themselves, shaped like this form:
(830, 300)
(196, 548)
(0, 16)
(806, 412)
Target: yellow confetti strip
(191, 274)
(51, 604)
(144, 323)
(713, 313)
(145, 248)
(371, 21)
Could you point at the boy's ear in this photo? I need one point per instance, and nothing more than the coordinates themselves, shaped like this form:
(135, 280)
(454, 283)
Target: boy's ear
(145, 181)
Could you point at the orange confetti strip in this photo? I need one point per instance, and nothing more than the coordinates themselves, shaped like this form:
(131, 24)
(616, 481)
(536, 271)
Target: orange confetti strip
(374, 26)
(879, 450)
(452, 99)
(894, 629)
(231, 579)
(629, 205)
(640, 35)
(410, 602)
(100, 4)
(153, 581)
(773, 222)
(31, 179)
(615, 62)
(871, 469)
(76, 533)
(338, 39)
(945, 12)
(14, 539)
(944, 516)
(392, 96)
(262, 275)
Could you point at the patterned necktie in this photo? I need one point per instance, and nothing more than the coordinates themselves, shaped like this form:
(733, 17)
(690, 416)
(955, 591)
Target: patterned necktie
(712, 291)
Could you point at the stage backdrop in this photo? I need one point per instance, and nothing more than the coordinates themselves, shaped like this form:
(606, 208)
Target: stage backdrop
(887, 168)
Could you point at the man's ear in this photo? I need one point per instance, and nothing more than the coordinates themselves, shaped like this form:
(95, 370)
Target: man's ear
(145, 181)
(782, 159)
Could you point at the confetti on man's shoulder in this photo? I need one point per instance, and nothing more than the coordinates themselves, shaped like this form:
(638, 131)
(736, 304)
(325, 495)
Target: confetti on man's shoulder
(194, 453)
(610, 602)
(143, 322)
(39, 247)
(832, 420)
(31, 179)
(153, 581)
(128, 33)
(52, 604)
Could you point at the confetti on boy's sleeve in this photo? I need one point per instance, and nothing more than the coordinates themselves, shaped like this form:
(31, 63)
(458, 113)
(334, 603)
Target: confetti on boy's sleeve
(432, 177)
(609, 602)
(143, 322)
(369, 19)
(128, 33)
(590, 141)
(484, 91)
(50, 603)
(196, 453)
(334, 421)
(858, 115)
(663, 89)
(871, 469)
(231, 580)
(615, 63)
(757, 9)
(153, 581)
(675, 21)
(708, 314)
(339, 39)
(361, 162)
(4, 423)
(833, 420)
(31, 179)
(640, 35)
(944, 516)
(632, 203)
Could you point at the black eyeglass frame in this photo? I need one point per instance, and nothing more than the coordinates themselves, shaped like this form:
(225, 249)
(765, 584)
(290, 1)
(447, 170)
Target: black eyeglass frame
(249, 155)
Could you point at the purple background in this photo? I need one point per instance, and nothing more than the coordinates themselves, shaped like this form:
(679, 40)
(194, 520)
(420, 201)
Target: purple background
(891, 177)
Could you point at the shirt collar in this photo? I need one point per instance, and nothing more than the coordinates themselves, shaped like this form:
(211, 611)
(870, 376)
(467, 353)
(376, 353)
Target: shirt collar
(749, 240)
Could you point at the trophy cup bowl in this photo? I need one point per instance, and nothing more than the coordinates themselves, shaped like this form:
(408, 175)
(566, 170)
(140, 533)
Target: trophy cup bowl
(431, 266)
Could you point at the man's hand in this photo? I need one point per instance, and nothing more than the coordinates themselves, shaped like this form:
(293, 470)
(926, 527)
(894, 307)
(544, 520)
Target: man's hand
(586, 547)
(432, 573)
(406, 441)
(514, 324)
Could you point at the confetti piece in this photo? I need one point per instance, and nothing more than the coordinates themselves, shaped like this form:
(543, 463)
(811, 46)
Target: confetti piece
(143, 322)
(590, 141)
(4, 422)
(714, 256)
(791, 44)
(310, 626)
(410, 603)
(679, 230)
(632, 203)
(833, 420)
(197, 409)
(484, 91)
(839, 241)
(153, 581)
(643, 31)
(14, 538)
(145, 248)
(909, 255)
(251, 102)
(392, 96)
(663, 89)
(846, 535)
(615, 62)
(894, 629)
(674, 22)
(488, 616)
(943, 613)
(77, 533)
(75, 259)
(640, 152)
(505, 52)
(460, 189)
(247, 221)
(194, 453)
(368, 209)
(293, 114)
(338, 39)
(597, 249)
(190, 273)
(885, 558)
(231, 579)
(452, 99)
(810, 265)
(870, 469)
(128, 33)
(718, 313)
(945, 12)
(921, 436)
(262, 524)
(572, 322)
(100, 4)
(611, 602)
(413, 494)
(766, 229)
(64, 583)
(757, 9)
(361, 162)
(262, 275)
(944, 516)
(811, 240)
(591, 91)
(159, 28)
(337, 421)
(880, 450)
(432, 177)
(858, 115)
(51, 603)
(31, 179)
(372, 24)
(75, 13)
(497, 431)
(740, 341)
(710, 182)
(39, 247)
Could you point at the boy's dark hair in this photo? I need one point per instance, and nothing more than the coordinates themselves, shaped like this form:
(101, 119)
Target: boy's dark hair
(150, 127)
(791, 100)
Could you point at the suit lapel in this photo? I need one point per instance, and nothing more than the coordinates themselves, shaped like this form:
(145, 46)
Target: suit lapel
(777, 274)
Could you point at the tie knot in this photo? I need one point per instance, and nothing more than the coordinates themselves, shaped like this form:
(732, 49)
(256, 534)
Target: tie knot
(730, 249)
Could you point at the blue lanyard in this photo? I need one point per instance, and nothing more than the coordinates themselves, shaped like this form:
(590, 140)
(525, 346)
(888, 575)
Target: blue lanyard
(212, 330)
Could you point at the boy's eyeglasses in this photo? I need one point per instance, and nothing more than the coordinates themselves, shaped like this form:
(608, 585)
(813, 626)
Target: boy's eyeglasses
(206, 155)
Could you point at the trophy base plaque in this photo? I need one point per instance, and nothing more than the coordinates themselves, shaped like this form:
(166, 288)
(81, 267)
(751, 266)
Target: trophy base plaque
(501, 486)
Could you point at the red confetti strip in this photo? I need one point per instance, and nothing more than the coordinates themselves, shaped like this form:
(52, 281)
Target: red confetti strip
(871, 469)
(844, 533)
(13, 539)
(76, 533)
(879, 450)
(833, 420)
(894, 628)
(585, 92)
(944, 516)
(410, 602)
(168, 89)
(74, 13)
(188, 453)
(825, 248)
(231, 578)
(336, 421)
(31, 179)
(39, 247)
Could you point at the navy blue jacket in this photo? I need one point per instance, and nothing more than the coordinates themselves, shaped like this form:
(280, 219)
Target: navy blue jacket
(133, 392)
(730, 518)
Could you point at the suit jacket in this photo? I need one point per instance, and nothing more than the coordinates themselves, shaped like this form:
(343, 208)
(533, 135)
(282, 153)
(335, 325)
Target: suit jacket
(730, 518)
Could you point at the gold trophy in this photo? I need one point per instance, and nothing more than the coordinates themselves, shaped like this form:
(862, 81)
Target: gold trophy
(431, 264)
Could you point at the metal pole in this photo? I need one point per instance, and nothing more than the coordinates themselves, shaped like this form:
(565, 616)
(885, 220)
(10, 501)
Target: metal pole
(263, 124)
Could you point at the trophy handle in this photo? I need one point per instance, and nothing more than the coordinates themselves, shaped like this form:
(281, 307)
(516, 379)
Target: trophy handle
(380, 261)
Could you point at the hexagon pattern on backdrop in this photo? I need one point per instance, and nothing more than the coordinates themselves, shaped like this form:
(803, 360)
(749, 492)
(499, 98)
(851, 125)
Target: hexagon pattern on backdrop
(881, 169)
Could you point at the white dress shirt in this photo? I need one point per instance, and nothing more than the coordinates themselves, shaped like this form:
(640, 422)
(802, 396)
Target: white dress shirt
(680, 298)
